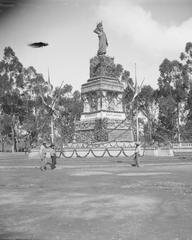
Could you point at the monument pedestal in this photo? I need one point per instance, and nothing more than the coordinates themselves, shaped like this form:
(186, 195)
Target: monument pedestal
(103, 118)
(115, 130)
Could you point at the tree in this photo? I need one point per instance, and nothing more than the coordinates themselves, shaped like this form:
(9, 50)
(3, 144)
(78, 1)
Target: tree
(128, 92)
(171, 95)
(186, 58)
(36, 122)
(148, 106)
(5, 130)
(69, 107)
(28, 103)
(11, 85)
(20, 98)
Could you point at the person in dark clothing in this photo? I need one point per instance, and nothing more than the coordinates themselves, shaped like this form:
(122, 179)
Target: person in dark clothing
(53, 156)
(136, 155)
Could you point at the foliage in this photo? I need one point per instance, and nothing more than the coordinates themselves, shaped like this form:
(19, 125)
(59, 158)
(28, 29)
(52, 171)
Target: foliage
(147, 101)
(171, 94)
(186, 58)
(69, 107)
(148, 106)
(100, 130)
(12, 85)
(27, 103)
(128, 92)
(105, 66)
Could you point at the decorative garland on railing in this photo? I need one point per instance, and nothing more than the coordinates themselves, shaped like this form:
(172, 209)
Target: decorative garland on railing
(106, 150)
(79, 156)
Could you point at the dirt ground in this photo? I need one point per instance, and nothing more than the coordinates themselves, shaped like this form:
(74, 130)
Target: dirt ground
(96, 199)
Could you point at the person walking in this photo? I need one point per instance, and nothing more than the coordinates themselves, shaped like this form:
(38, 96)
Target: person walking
(136, 155)
(43, 153)
(53, 156)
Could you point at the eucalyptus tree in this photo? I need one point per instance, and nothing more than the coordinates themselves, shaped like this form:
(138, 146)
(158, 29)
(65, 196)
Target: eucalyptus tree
(37, 99)
(172, 94)
(148, 106)
(69, 108)
(139, 99)
(186, 59)
(5, 130)
(20, 99)
(11, 88)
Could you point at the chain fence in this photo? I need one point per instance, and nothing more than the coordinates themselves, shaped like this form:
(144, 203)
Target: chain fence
(106, 152)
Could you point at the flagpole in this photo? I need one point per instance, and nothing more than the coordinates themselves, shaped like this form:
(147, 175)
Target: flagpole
(137, 119)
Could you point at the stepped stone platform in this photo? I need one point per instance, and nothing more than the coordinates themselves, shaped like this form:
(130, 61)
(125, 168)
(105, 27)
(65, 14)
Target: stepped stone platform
(102, 101)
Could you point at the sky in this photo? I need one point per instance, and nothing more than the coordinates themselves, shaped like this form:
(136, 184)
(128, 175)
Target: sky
(141, 32)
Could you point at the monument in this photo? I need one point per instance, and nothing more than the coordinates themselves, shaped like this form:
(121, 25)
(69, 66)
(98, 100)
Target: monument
(103, 117)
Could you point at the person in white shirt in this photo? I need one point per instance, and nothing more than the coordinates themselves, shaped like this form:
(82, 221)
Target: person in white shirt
(43, 153)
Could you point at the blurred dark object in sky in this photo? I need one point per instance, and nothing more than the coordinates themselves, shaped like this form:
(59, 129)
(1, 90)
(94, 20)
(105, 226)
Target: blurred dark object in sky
(7, 7)
(38, 44)
(7, 4)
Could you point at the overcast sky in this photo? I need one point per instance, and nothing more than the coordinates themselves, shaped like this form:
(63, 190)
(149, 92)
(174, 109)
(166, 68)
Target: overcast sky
(138, 31)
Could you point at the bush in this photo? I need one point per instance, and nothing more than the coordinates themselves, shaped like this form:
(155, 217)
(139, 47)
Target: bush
(100, 130)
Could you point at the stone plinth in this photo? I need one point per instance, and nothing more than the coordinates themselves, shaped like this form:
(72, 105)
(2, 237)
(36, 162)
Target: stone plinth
(103, 114)
(117, 130)
(102, 83)
(102, 99)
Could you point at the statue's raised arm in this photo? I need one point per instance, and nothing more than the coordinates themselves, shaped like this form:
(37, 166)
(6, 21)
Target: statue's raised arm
(102, 39)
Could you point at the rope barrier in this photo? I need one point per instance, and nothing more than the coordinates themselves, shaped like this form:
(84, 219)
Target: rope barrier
(106, 150)
(62, 153)
(112, 155)
(84, 155)
(97, 155)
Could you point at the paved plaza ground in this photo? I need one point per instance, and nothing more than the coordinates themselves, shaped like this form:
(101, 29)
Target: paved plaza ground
(96, 199)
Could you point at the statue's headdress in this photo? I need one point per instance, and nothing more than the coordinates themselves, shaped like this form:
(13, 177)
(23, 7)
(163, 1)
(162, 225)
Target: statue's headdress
(99, 25)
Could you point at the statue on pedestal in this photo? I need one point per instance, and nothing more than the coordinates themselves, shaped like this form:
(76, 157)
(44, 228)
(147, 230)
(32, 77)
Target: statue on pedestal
(85, 104)
(103, 43)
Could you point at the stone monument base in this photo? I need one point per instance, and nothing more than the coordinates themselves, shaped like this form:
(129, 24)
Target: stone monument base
(103, 118)
(114, 130)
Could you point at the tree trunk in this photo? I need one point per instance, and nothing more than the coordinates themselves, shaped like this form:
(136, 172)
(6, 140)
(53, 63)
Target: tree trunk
(14, 139)
(150, 131)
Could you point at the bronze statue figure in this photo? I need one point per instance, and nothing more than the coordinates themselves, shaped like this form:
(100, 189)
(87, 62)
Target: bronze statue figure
(102, 39)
